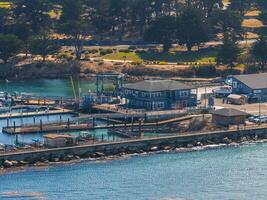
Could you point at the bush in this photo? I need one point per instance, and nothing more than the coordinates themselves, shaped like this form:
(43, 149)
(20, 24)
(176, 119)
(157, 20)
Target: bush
(124, 50)
(196, 124)
(132, 47)
(105, 52)
(163, 63)
(205, 71)
(252, 69)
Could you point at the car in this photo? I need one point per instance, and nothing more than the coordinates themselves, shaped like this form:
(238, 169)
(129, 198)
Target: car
(252, 118)
(261, 119)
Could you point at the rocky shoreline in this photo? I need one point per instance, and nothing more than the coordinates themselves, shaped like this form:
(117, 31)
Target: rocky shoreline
(7, 166)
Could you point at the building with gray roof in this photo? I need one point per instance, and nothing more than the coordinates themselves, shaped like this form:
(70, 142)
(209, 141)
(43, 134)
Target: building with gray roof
(251, 85)
(159, 95)
(228, 116)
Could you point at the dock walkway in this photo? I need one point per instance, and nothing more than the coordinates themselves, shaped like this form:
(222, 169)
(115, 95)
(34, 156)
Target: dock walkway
(57, 111)
(65, 127)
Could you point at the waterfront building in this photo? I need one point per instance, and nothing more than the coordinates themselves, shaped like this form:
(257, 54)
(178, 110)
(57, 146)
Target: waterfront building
(159, 95)
(252, 85)
(59, 140)
(228, 116)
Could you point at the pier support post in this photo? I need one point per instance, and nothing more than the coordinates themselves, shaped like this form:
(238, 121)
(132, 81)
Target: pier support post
(125, 123)
(41, 125)
(140, 128)
(14, 127)
(108, 120)
(7, 122)
(93, 122)
(68, 123)
(34, 120)
(157, 125)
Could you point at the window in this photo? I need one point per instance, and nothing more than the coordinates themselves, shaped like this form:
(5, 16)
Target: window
(234, 84)
(184, 93)
(256, 91)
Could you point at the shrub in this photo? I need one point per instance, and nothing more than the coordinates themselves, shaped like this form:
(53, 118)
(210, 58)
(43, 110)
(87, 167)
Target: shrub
(205, 71)
(163, 63)
(252, 69)
(124, 50)
(105, 52)
(196, 124)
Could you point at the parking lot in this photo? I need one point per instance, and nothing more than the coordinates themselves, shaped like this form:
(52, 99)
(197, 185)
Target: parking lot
(254, 109)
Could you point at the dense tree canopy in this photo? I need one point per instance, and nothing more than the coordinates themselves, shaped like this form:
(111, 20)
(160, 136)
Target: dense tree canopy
(193, 28)
(9, 46)
(259, 50)
(186, 22)
(229, 51)
(162, 30)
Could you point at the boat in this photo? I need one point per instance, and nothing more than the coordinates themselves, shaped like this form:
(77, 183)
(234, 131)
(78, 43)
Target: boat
(223, 91)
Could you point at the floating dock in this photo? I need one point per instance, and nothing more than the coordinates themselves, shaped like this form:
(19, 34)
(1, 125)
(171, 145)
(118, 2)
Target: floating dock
(67, 127)
(57, 111)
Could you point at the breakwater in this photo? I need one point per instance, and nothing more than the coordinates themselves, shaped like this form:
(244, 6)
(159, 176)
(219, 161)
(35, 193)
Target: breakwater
(15, 159)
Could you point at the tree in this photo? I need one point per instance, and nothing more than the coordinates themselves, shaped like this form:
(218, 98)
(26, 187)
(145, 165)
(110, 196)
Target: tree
(4, 15)
(223, 21)
(211, 5)
(77, 31)
(42, 45)
(242, 6)
(9, 46)
(71, 10)
(75, 23)
(259, 51)
(193, 28)
(34, 13)
(162, 30)
(229, 52)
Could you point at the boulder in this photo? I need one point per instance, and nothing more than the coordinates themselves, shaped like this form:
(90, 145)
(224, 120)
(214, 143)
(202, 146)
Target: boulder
(167, 148)
(227, 140)
(7, 164)
(22, 163)
(15, 163)
(155, 148)
(189, 145)
(99, 154)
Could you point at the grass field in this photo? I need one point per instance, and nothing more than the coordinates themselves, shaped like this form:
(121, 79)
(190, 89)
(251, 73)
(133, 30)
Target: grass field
(124, 56)
(203, 56)
(5, 4)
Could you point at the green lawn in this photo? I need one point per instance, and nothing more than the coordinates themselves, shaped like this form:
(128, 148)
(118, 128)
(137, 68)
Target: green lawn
(202, 56)
(5, 4)
(124, 56)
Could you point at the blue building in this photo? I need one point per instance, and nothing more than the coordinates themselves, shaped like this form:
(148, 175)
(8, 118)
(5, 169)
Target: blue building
(252, 85)
(159, 95)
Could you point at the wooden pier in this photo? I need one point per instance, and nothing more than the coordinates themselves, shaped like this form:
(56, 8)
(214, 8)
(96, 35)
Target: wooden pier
(68, 127)
(57, 111)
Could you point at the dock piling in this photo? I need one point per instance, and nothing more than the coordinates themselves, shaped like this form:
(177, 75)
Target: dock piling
(41, 125)
(7, 122)
(14, 126)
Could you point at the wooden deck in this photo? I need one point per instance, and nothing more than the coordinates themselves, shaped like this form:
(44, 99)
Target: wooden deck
(64, 127)
(35, 114)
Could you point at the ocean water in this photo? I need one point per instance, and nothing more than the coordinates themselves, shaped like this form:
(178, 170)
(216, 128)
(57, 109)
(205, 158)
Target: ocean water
(53, 87)
(233, 173)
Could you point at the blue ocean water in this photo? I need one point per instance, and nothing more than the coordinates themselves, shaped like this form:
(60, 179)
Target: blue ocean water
(232, 173)
(238, 173)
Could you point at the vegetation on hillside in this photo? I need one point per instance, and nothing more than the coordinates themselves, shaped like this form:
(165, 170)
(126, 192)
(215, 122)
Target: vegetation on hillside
(44, 27)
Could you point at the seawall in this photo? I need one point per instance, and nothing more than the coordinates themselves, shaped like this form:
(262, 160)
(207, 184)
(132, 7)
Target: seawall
(138, 145)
